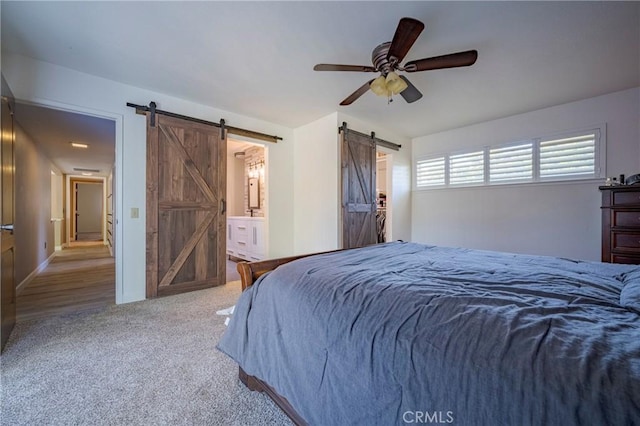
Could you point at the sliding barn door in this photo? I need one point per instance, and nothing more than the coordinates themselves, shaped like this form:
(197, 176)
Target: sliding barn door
(358, 190)
(186, 218)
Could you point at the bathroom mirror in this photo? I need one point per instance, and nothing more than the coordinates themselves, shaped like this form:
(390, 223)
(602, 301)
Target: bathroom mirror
(254, 193)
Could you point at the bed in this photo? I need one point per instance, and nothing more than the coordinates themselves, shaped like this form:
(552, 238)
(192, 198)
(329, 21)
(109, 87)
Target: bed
(402, 332)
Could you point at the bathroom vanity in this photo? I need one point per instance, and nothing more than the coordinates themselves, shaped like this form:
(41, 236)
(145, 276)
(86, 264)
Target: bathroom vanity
(245, 237)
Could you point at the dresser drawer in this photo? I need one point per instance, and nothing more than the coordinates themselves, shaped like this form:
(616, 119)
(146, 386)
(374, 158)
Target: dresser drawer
(625, 241)
(626, 198)
(626, 218)
(623, 258)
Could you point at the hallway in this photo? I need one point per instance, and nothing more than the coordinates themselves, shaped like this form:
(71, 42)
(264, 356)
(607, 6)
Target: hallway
(77, 279)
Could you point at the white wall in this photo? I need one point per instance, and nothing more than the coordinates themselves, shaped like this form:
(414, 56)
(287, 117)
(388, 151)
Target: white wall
(57, 206)
(34, 230)
(54, 86)
(316, 189)
(235, 180)
(57, 186)
(549, 219)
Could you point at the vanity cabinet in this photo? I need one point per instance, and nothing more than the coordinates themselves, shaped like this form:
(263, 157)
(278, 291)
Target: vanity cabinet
(245, 237)
(256, 239)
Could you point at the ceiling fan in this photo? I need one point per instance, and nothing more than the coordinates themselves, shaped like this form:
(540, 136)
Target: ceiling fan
(386, 59)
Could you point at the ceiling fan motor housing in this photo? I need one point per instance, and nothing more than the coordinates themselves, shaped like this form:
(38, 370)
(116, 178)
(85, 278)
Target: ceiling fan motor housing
(380, 60)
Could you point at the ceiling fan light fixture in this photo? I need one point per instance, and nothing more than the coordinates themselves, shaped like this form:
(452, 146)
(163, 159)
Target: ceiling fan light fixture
(379, 86)
(394, 83)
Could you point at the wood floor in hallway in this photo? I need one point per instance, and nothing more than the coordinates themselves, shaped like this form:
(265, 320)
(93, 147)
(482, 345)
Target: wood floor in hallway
(78, 278)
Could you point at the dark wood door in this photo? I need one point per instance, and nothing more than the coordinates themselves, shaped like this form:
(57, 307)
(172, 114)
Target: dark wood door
(186, 212)
(358, 190)
(7, 239)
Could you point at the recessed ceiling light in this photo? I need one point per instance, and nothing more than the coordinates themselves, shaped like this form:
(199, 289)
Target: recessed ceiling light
(87, 174)
(79, 145)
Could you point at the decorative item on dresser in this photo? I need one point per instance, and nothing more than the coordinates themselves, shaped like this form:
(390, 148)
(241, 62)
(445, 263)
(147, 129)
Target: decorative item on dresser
(621, 224)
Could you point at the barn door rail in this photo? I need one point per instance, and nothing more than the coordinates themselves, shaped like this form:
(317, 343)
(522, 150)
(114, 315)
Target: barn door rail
(152, 110)
(377, 141)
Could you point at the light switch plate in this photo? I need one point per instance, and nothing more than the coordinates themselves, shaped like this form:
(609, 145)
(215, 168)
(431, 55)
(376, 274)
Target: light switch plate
(134, 212)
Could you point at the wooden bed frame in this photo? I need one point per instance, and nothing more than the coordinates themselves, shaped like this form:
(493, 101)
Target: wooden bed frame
(249, 273)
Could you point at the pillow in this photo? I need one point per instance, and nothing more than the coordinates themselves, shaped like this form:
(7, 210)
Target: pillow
(630, 294)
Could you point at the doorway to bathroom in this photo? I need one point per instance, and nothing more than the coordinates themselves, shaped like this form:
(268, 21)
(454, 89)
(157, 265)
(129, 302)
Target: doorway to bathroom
(247, 203)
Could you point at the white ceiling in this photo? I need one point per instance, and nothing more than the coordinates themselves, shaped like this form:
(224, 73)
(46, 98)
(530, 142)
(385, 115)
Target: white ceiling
(257, 58)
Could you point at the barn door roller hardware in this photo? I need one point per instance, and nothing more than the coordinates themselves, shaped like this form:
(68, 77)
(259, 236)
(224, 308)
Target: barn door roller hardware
(377, 141)
(152, 110)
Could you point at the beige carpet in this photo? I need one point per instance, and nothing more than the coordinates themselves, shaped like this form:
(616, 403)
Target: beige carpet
(144, 363)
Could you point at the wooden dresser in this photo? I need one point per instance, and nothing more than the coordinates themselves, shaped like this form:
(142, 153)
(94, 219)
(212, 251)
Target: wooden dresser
(621, 224)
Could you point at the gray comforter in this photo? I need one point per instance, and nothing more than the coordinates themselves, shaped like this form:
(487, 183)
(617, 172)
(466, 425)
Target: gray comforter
(403, 333)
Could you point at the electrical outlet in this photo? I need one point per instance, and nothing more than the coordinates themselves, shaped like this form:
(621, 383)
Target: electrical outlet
(135, 213)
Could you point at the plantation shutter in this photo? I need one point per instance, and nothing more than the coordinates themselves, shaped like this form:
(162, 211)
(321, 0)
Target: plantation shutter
(511, 163)
(466, 168)
(430, 172)
(568, 157)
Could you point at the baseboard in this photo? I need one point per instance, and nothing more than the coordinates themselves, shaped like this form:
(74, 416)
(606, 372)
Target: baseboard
(23, 284)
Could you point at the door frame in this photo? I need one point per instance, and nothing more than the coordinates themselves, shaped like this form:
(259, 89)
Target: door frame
(72, 222)
(265, 175)
(118, 187)
(389, 183)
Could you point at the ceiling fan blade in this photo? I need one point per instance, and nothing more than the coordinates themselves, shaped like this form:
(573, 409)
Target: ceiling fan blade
(355, 95)
(334, 67)
(460, 59)
(410, 94)
(406, 34)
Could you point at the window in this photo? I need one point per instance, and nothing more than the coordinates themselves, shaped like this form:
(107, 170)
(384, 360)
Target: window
(568, 157)
(511, 163)
(572, 155)
(466, 168)
(430, 172)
